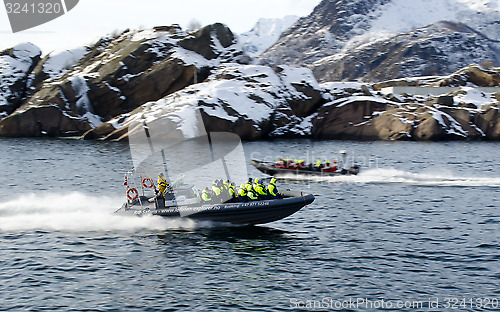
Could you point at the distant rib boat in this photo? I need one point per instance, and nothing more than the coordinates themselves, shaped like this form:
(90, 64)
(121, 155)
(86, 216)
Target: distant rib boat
(271, 168)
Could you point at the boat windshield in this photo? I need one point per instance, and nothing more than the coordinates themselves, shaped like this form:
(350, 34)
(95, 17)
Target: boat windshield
(175, 143)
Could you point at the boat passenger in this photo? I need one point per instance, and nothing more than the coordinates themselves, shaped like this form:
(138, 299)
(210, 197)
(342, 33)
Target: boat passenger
(160, 193)
(232, 191)
(280, 163)
(300, 164)
(334, 167)
(272, 190)
(249, 182)
(217, 192)
(225, 190)
(242, 193)
(327, 166)
(255, 182)
(162, 185)
(206, 196)
(260, 189)
(251, 194)
(318, 165)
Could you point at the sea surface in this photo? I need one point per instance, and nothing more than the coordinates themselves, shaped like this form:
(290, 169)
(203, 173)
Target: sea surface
(417, 230)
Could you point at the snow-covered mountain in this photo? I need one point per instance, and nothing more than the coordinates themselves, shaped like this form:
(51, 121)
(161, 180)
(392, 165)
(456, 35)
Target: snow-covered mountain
(443, 47)
(336, 28)
(264, 34)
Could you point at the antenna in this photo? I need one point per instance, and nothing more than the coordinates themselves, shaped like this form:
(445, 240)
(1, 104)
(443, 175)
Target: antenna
(343, 154)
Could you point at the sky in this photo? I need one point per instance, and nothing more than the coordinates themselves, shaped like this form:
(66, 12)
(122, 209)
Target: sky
(93, 19)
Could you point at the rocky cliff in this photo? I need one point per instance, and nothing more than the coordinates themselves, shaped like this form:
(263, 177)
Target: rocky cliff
(253, 101)
(115, 76)
(259, 102)
(166, 73)
(365, 114)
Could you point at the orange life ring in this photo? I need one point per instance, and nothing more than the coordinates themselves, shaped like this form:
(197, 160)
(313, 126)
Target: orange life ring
(147, 183)
(135, 194)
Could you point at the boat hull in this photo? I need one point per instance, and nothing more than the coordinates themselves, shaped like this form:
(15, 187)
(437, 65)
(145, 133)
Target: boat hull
(270, 169)
(254, 212)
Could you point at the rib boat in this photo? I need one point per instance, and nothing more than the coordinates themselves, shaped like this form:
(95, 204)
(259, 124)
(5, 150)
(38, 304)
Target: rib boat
(271, 168)
(189, 205)
(187, 158)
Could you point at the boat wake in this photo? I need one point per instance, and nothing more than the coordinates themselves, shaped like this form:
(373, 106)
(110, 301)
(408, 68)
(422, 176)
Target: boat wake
(78, 212)
(391, 175)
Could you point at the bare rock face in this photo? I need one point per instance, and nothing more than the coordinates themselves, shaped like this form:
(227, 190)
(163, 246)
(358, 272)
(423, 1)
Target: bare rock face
(43, 120)
(349, 120)
(201, 40)
(394, 124)
(489, 122)
(473, 74)
(428, 129)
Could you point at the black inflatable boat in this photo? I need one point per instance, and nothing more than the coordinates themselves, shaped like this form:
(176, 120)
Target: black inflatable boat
(253, 212)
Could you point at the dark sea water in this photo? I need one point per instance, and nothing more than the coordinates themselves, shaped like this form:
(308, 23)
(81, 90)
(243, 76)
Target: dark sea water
(419, 227)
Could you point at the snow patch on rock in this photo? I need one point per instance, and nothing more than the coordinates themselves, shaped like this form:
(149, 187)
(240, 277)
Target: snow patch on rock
(60, 63)
(14, 69)
(84, 107)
